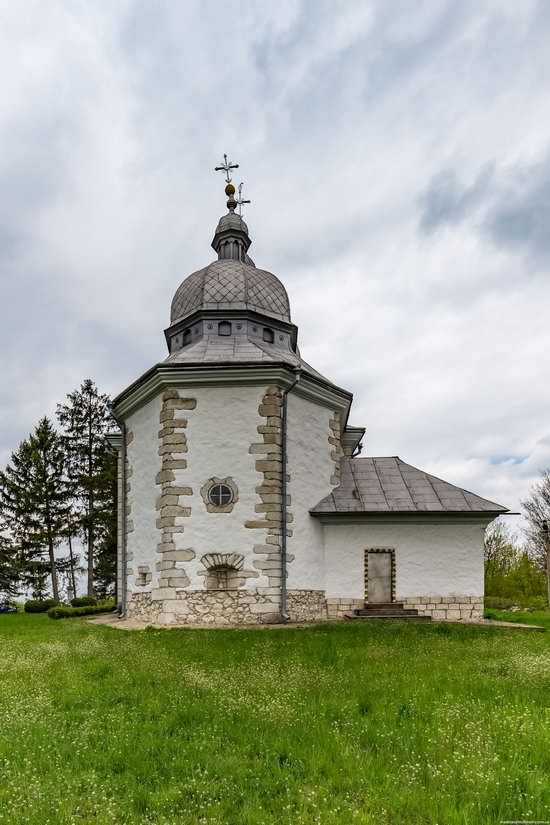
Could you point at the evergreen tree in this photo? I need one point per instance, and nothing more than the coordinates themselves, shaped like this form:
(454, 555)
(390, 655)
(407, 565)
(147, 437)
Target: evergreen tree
(34, 502)
(9, 568)
(106, 553)
(86, 419)
(70, 533)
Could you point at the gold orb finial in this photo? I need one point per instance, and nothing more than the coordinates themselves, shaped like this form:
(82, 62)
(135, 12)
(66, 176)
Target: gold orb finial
(229, 189)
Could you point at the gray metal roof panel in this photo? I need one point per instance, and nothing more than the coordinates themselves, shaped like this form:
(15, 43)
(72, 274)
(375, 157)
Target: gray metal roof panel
(213, 348)
(390, 485)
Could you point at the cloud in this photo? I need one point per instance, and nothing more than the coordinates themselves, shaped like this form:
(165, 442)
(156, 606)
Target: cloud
(508, 206)
(520, 219)
(446, 202)
(397, 163)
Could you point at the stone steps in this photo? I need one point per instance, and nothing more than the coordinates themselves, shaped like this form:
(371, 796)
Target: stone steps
(386, 610)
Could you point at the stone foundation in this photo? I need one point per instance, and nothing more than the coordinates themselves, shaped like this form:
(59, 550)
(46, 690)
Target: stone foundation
(306, 605)
(261, 605)
(226, 607)
(140, 606)
(446, 608)
(337, 608)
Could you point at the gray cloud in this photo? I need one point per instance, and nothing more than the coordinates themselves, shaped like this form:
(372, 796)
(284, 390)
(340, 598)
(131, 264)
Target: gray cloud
(509, 206)
(447, 202)
(355, 124)
(520, 219)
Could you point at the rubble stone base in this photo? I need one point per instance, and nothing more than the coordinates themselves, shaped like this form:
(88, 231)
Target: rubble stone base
(226, 607)
(261, 605)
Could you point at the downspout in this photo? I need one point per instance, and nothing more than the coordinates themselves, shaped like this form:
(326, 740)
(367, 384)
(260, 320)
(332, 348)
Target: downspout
(284, 614)
(122, 510)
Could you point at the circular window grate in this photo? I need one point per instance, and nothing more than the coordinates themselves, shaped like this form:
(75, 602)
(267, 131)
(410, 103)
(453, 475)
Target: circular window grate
(220, 495)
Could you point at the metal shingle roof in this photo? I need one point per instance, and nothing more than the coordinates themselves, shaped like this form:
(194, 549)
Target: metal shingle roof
(231, 221)
(230, 284)
(389, 485)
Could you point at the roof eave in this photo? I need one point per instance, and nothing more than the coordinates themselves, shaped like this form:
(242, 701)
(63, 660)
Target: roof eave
(408, 516)
(227, 373)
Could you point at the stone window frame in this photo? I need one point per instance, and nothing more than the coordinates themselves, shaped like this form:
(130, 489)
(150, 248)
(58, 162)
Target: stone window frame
(391, 551)
(212, 482)
(144, 576)
(229, 565)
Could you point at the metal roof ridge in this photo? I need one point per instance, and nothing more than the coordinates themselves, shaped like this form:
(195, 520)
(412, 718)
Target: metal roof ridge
(381, 485)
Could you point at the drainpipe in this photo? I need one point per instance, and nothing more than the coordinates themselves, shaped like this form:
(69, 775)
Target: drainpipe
(284, 614)
(122, 509)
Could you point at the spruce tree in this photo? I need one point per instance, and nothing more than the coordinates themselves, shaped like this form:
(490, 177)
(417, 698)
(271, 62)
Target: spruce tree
(69, 534)
(86, 418)
(9, 568)
(34, 502)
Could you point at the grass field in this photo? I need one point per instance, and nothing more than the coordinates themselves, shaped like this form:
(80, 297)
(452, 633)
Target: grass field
(538, 617)
(353, 723)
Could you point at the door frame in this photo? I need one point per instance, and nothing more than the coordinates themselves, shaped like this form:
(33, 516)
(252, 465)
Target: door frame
(391, 551)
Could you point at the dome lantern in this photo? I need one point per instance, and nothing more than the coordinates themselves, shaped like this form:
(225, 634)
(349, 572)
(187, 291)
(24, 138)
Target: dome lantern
(231, 240)
(231, 298)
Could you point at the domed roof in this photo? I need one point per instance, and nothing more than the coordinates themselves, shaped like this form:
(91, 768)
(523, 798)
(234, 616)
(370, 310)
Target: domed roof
(231, 284)
(231, 221)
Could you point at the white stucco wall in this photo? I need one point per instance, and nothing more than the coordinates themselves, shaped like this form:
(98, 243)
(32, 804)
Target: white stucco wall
(219, 433)
(145, 463)
(435, 559)
(310, 467)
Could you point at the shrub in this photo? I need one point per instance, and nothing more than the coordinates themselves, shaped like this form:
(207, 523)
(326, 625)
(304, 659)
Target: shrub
(39, 605)
(62, 612)
(83, 601)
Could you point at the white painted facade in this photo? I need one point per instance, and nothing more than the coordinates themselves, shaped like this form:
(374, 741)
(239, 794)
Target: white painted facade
(437, 559)
(144, 461)
(219, 433)
(233, 361)
(310, 468)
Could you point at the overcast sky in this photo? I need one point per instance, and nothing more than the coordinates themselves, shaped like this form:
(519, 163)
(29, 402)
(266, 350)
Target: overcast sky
(397, 156)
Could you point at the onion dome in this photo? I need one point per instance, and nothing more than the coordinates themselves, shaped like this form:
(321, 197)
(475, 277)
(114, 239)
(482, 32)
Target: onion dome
(233, 282)
(230, 284)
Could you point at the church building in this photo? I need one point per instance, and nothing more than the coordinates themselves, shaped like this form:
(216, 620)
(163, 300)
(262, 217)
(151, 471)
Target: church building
(243, 496)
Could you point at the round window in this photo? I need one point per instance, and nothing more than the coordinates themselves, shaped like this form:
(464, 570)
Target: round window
(220, 495)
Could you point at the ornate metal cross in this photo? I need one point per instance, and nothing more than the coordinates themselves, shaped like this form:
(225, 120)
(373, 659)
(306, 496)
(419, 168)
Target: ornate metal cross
(226, 167)
(240, 200)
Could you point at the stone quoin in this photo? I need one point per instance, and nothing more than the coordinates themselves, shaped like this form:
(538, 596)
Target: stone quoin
(242, 495)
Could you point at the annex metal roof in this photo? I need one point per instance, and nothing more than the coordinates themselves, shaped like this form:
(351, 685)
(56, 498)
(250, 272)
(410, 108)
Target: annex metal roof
(389, 485)
(228, 285)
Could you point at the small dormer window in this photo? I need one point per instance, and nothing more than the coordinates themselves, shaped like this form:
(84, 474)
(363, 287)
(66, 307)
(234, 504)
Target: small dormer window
(186, 337)
(224, 328)
(268, 335)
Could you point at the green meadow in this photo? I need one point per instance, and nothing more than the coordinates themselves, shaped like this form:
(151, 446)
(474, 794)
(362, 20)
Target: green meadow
(383, 722)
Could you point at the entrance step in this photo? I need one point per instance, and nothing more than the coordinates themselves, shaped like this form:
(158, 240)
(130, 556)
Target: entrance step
(386, 610)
